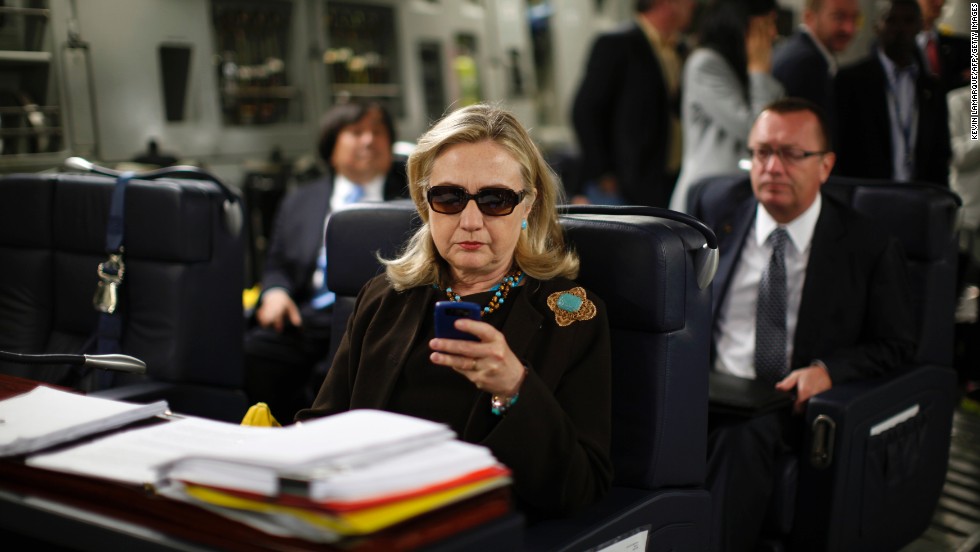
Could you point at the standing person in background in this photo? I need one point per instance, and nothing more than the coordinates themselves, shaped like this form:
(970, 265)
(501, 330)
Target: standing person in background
(295, 309)
(806, 62)
(727, 81)
(626, 112)
(945, 55)
(892, 114)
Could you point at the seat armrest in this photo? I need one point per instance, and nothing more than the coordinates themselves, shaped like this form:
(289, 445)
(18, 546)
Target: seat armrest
(863, 403)
(671, 519)
(886, 438)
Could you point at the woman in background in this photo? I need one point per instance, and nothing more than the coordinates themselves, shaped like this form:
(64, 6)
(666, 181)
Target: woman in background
(727, 81)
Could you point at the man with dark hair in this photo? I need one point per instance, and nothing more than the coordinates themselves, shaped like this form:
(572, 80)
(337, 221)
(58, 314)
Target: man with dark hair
(626, 113)
(808, 295)
(892, 114)
(806, 62)
(294, 311)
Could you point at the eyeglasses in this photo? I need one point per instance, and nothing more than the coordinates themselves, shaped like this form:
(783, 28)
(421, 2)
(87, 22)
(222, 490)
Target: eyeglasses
(788, 155)
(495, 202)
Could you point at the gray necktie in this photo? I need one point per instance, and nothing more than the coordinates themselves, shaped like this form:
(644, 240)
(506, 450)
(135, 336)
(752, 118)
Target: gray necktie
(770, 321)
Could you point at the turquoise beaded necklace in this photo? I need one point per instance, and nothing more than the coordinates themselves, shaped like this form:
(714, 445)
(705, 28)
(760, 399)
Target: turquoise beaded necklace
(500, 291)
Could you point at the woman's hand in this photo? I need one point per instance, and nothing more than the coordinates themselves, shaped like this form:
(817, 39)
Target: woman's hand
(758, 43)
(489, 363)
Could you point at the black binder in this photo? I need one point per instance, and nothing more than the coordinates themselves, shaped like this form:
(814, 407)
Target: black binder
(728, 394)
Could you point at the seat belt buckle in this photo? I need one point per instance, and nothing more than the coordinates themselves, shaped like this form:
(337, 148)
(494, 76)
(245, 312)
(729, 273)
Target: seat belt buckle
(110, 272)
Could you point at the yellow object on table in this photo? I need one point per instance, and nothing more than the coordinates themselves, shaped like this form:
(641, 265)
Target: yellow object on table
(259, 415)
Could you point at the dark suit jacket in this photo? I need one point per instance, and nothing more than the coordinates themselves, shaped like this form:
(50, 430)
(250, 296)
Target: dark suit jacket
(298, 235)
(803, 70)
(854, 314)
(864, 146)
(954, 60)
(621, 116)
(555, 439)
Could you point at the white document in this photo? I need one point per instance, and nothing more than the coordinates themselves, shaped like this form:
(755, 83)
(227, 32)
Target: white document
(245, 457)
(390, 474)
(347, 438)
(314, 450)
(135, 456)
(44, 416)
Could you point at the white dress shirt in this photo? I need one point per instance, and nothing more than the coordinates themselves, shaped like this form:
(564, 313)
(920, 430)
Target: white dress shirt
(903, 112)
(734, 331)
(342, 188)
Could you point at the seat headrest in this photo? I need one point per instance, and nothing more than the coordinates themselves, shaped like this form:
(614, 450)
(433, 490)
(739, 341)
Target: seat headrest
(359, 234)
(614, 249)
(69, 212)
(626, 261)
(922, 216)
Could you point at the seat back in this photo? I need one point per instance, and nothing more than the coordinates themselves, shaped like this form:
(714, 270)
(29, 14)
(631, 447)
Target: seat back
(646, 270)
(889, 438)
(922, 217)
(659, 320)
(180, 298)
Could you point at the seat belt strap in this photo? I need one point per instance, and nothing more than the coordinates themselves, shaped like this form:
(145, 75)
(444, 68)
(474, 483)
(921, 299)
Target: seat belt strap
(111, 273)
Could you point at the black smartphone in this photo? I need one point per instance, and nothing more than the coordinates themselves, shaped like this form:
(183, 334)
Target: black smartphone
(446, 313)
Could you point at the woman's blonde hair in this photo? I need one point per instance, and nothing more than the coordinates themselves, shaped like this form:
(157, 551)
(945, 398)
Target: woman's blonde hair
(541, 251)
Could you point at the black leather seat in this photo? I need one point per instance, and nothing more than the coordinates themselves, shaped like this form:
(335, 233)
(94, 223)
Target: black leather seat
(180, 299)
(857, 486)
(647, 269)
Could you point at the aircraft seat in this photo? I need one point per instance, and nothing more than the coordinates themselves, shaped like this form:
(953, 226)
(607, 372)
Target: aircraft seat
(180, 298)
(653, 274)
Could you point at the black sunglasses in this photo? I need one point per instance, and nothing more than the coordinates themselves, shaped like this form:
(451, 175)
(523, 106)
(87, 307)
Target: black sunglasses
(495, 202)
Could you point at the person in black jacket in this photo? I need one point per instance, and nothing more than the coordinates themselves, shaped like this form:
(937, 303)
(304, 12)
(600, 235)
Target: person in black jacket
(806, 62)
(627, 110)
(845, 312)
(490, 235)
(294, 310)
(880, 137)
(946, 55)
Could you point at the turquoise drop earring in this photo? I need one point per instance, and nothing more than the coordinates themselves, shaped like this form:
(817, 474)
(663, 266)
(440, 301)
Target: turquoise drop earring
(524, 224)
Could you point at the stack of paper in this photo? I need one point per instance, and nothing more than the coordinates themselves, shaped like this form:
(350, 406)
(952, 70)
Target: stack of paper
(44, 417)
(347, 475)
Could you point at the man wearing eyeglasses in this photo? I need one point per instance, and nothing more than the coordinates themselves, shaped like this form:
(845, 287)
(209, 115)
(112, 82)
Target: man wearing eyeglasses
(808, 295)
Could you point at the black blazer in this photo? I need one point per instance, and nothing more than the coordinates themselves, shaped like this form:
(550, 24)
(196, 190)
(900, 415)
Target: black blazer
(854, 314)
(298, 233)
(621, 116)
(556, 438)
(864, 146)
(798, 63)
(954, 60)
(804, 72)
